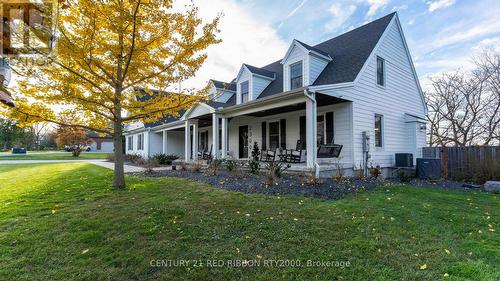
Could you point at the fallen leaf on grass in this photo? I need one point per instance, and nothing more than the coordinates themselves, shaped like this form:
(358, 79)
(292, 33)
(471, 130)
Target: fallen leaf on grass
(85, 251)
(423, 266)
(447, 251)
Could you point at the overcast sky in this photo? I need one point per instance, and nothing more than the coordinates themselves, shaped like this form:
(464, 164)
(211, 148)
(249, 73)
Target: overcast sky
(442, 34)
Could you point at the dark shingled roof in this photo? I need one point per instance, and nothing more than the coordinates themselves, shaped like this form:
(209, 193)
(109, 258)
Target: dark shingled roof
(223, 85)
(144, 96)
(260, 71)
(165, 120)
(313, 49)
(349, 52)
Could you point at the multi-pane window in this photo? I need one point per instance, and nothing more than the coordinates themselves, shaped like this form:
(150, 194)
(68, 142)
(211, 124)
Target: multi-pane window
(140, 141)
(274, 135)
(203, 141)
(380, 71)
(296, 75)
(244, 91)
(320, 129)
(378, 130)
(130, 143)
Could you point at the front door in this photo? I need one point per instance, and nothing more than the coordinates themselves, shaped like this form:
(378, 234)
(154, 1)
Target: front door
(243, 142)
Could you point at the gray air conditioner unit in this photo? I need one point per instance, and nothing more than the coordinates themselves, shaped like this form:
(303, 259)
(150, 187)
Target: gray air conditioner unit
(404, 160)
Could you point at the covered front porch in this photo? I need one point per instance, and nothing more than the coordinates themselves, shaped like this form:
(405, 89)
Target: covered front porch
(298, 122)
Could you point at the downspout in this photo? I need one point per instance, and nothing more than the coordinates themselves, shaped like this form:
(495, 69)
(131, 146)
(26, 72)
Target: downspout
(315, 105)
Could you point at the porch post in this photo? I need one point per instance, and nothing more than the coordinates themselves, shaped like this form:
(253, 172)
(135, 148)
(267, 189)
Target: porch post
(215, 136)
(224, 137)
(187, 141)
(311, 134)
(164, 142)
(195, 139)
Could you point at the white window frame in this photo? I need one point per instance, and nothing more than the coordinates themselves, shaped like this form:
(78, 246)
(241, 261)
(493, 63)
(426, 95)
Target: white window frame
(384, 72)
(140, 141)
(208, 137)
(290, 74)
(130, 144)
(382, 129)
(324, 122)
(241, 91)
(268, 132)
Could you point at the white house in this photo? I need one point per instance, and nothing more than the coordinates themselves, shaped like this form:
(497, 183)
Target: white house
(355, 89)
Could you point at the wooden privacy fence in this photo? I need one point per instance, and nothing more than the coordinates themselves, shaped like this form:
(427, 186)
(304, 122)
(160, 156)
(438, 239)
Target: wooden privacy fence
(471, 162)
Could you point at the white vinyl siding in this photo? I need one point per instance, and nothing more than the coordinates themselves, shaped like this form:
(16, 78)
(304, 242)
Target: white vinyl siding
(145, 150)
(400, 96)
(296, 55)
(316, 66)
(245, 76)
(258, 85)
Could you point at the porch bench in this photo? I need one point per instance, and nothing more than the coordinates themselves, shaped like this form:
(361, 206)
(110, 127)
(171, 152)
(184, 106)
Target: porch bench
(329, 150)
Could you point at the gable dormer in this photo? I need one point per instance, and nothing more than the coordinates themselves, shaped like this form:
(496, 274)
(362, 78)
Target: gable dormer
(221, 91)
(302, 64)
(251, 81)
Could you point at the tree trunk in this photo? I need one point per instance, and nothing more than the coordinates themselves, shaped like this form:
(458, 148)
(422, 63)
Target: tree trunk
(119, 177)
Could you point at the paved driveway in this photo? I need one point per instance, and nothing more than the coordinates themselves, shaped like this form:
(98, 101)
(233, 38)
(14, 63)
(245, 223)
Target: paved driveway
(102, 163)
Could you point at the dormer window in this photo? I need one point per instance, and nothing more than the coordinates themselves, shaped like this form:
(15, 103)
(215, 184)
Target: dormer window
(296, 75)
(244, 91)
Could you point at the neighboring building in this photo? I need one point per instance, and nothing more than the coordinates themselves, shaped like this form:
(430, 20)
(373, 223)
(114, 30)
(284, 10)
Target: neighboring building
(361, 83)
(100, 143)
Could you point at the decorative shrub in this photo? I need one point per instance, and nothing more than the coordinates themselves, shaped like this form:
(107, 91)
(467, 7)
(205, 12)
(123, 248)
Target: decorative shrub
(375, 172)
(274, 171)
(311, 180)
(214, 167)
(230, 164)
(183, 165)
(148, 164)
(196, 166)
(165, 159)
(254, 163)
(404, 177)
(359, 172)
(134, 158)
(339, 169)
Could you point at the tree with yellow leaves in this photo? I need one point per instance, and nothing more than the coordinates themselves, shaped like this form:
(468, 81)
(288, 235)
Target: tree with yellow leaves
(108, 52)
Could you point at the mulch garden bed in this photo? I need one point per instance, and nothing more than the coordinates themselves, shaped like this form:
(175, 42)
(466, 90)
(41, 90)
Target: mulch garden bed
(289, 184)
(293, 184)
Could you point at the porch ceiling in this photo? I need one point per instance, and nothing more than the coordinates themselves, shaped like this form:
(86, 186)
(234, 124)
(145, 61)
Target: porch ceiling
(321, 99)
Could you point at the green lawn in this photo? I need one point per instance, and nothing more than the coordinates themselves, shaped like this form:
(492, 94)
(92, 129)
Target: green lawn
(55, 156)
(62, 221)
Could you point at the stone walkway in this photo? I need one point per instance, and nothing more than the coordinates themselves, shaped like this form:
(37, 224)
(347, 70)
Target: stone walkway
(102, 163)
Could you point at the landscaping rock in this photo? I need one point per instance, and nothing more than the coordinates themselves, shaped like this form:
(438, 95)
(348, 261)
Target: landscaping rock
(492, 186)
